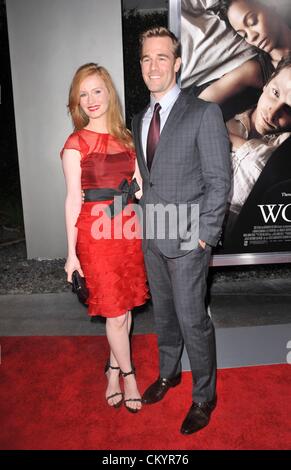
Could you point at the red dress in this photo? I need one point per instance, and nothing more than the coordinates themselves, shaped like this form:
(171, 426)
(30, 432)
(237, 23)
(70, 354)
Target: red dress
(114, 268)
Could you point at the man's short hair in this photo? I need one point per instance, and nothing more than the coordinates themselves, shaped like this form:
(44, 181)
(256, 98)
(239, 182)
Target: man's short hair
(284, 63)
(160, 32)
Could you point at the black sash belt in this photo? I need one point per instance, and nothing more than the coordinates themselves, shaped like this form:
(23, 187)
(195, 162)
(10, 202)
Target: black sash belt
(125, 190)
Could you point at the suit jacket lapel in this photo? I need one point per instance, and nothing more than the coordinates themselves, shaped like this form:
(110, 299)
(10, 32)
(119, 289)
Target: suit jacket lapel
(138, 133)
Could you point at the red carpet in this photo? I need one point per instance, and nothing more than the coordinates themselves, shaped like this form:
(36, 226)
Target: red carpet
(51, 397)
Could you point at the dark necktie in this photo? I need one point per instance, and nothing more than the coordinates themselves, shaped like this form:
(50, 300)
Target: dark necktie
(153, 135)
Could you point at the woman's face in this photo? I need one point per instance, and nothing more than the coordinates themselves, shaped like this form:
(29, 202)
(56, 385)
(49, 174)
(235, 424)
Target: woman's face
(94, 97)
(256, 23)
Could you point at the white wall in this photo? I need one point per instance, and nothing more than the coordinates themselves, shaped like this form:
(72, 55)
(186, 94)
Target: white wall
(48, 40)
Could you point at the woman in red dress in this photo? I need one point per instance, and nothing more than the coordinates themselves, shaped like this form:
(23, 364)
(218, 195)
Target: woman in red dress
(99, 159)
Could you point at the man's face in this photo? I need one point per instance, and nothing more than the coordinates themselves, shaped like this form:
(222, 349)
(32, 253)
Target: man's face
(158, 65)
(273, 112)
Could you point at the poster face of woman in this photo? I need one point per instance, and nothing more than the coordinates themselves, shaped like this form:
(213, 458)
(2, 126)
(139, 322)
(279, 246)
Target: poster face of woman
(230, 53)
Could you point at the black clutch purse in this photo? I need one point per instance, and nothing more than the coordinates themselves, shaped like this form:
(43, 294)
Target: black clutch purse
(79, 287)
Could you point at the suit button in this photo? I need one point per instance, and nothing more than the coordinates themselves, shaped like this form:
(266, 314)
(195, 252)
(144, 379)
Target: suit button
(151, 184)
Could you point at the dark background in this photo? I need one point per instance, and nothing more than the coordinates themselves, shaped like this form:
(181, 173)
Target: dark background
(10, 194)
(136, 93)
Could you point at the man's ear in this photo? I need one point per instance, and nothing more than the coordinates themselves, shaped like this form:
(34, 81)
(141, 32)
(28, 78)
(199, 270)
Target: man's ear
(177, 65)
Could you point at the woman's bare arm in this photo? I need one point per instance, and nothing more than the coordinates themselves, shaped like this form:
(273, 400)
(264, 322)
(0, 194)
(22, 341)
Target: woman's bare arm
(248, 74)
(72, 172)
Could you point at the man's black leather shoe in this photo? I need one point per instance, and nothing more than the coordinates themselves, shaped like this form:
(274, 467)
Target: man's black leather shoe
(158, 389)
(198, 416)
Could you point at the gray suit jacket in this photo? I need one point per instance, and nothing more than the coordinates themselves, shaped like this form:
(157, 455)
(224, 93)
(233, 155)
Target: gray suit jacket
(191, 166)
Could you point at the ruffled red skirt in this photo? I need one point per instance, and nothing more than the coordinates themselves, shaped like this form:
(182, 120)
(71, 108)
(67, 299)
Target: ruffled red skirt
(113, 267)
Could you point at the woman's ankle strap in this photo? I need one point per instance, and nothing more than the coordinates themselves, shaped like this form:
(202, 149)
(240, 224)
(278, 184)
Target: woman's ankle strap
(125, 374)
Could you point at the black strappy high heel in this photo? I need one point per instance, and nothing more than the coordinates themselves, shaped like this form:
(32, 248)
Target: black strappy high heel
(119, 403)
(129, 408)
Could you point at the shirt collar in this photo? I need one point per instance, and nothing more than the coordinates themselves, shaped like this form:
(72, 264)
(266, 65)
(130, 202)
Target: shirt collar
(167, 99)
(245, 119)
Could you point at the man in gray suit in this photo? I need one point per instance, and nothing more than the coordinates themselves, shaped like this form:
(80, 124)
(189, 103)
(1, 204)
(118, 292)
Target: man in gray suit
(190, 165)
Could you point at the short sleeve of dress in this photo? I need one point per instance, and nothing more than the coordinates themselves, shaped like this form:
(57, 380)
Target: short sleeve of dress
(75, 142)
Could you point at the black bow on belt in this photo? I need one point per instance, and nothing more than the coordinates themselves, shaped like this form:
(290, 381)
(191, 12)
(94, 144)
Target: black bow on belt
(125, 190)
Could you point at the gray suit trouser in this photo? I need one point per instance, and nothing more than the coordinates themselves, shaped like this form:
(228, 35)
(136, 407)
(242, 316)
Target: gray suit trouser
(178, 289)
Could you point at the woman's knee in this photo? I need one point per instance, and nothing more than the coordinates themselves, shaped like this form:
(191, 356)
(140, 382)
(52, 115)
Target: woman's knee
(118, 322)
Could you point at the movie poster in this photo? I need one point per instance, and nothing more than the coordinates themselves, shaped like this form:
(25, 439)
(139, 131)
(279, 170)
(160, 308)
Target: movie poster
(230, 53)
